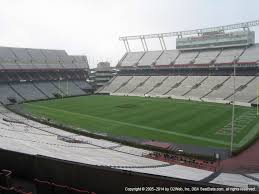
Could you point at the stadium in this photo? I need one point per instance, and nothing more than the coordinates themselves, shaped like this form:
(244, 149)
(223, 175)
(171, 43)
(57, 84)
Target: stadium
(168, 120)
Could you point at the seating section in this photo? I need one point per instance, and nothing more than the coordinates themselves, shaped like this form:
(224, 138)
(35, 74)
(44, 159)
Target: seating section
(186, 58)
(68, 88)
(228, 55)
(227, 88)
(248, 93)
(132, 84)
(148, 85)
(53, 60)
(186, 85)
(23, 91)
(250, 55)
(8, 59)
(28, 91)
(65, 59)
(167, 85)
(206, 57)
(6, 93)
(24, 59)
(207, 86)
(131, 59)
(47, 88)
(80, 61)
(167, 58)
(83, 85)
(194, 87)
(38, 59)
(149, 58)
(116, 83)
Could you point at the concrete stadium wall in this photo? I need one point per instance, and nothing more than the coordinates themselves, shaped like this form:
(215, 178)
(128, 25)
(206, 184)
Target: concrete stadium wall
(93, 178)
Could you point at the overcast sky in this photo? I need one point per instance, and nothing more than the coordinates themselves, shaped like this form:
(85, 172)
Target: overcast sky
(92, 27)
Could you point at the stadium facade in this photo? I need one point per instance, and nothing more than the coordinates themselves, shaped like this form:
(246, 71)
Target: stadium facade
(52, 160)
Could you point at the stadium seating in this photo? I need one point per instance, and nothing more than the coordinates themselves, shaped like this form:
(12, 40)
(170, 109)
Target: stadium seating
(7, 93)
(186, 85)
(65, 59)
(132, 84)
(206, 57)
(167, 85)
(116, 83)
(250, 55)
(23, 58)
(47, 88)
(7, 59)
(168, 57)
(149, 58)
(68, 88)
(226, 89)
(228, 55)
(192, 87)
(83, 85)
(131, 59)
(186, 58)
(80, 61)
(206, 86)
(248, 93)
(28, 91)
(149, 85)
(38, 59)
(52, 59)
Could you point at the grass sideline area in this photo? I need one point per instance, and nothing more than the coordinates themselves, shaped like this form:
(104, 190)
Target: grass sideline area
(168, 120)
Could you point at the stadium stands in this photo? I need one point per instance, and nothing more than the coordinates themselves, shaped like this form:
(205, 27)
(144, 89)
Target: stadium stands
(68, 88)
(207, 86)
(149, 58)
(8, 59)
(7, 93)
(80, 61)
(213, 88)
(38, 59)
(132, 84)
(83, 85)
(248, 92)
(53, 60)
(206, 57)
(226, 89)
(23, 58)
(152, 82)
(65, 59)
(186, 85)
(168, 57)
(186, 58)
(26, 74)
(228, 55)
(167, 85)
(47, 88)
(27, 91)
(116, 83)
(131, 59)
(250, 55)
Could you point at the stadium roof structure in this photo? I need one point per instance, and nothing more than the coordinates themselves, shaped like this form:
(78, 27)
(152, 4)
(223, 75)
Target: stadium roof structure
(179, 34)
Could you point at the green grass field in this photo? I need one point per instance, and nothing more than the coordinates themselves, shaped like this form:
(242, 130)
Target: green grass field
(169, 120)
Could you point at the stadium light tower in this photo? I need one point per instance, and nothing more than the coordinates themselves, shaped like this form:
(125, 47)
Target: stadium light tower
(233, 107)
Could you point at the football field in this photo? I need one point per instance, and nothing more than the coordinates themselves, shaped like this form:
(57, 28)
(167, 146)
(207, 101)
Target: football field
(168, 120)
